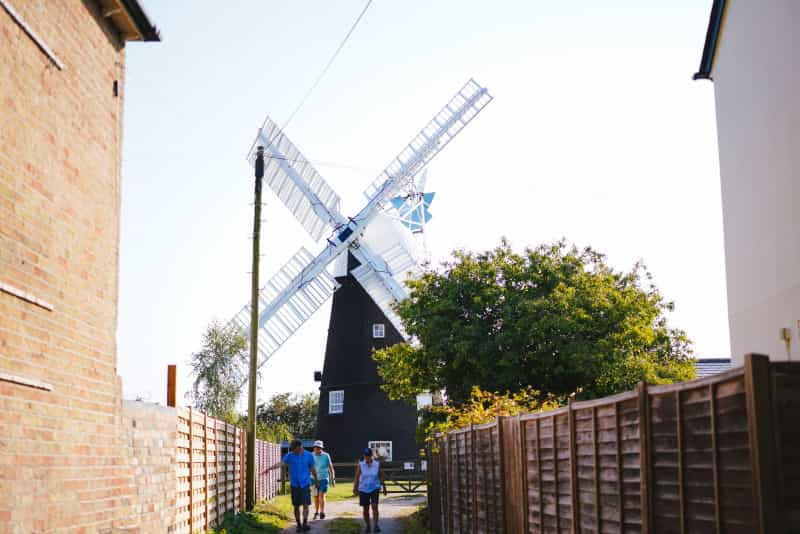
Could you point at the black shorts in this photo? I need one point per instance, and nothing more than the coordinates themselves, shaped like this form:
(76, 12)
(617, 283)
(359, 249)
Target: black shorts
(369, 498)
(301, 496)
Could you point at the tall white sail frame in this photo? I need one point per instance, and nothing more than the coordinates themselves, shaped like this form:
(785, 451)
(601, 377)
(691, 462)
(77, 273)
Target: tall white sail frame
(301, 287)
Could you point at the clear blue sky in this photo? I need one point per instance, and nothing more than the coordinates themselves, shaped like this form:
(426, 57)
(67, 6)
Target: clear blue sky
(597, 133)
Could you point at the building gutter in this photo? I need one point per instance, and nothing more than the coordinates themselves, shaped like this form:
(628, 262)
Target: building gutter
(141, 20)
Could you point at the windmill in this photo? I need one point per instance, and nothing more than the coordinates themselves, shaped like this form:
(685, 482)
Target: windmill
(376, 247)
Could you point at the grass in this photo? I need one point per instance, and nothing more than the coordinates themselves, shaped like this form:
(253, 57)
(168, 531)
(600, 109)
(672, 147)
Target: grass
(342, 491)
(266, 518)
(418, 522)
(342, 525)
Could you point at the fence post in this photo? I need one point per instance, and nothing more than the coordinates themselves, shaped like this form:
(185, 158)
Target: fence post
(573, 468)
(598, 517)
(644, 458)
(523, 450)
(448, 472)
(217, 513)
(205, 470)
(759, 425)
(191, 471)
(242, 465)
(510, 447)
(474, 472)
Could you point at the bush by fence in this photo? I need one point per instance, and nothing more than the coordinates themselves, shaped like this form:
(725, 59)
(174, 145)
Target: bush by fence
(720, 454)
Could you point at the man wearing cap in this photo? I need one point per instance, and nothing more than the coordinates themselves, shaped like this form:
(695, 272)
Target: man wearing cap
(301, 466)
(367, 485)
(325, 475)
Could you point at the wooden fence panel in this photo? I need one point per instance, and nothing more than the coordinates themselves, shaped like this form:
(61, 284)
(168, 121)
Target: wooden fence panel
(737, 513)
(665, 464)
(609, 456)
(720, 454)
(630, 465)
(209, 470)
(698, 460)
(460, 480)
(585, 471)
(268, 458)
(563, 455)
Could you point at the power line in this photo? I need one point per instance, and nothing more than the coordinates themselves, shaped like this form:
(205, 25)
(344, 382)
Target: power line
(328, 66)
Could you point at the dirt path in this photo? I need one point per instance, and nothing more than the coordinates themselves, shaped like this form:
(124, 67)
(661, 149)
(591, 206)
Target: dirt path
(392, 509)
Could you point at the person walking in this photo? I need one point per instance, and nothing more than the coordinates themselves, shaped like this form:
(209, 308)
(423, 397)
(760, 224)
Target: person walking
(367, 485)
(301, 467)
(326, 474)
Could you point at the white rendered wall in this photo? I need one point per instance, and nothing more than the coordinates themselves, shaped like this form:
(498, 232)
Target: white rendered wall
(757, 90)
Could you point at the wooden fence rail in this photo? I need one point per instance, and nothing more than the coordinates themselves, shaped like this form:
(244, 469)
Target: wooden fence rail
(720, 454)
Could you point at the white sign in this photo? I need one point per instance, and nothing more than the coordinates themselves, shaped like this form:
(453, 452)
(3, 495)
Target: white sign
(423, 465)
(408, 466)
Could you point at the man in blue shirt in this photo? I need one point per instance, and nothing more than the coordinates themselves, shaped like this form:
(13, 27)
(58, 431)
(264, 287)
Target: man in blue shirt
(301, 465)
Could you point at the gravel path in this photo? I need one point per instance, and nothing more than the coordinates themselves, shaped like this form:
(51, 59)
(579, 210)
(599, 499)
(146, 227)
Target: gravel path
(392, 508)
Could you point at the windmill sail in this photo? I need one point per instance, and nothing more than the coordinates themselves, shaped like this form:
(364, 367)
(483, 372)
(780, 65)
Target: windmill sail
(444, 126)
(296, 182)
(282, 317)
(304, 283)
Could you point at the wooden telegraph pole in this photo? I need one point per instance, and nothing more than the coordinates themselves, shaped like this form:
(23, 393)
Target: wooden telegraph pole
(250, 475)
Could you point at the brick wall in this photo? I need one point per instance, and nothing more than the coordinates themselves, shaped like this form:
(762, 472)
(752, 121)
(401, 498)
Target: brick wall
(151, 433)
(62, 464)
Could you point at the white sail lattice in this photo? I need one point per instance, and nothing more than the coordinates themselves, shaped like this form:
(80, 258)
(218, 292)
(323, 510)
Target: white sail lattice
(308, 296)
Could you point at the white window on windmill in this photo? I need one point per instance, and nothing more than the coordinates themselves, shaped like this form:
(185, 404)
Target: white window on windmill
(379, 330)
(336, 401)
(382, 449)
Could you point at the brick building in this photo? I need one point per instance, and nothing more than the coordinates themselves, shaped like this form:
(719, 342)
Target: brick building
(62, 66)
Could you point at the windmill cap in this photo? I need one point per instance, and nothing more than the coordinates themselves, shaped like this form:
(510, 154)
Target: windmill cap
(367, 452)
(319, 444)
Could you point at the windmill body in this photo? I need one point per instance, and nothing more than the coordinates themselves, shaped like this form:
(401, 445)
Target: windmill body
(377, 243)
(353, 411)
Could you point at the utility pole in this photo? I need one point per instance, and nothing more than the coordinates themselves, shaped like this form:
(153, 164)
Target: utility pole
(250, 476)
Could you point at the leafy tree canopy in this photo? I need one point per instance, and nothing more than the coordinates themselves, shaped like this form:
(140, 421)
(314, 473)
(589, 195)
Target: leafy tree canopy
(554, 318)
(295, 413)
(218, 370)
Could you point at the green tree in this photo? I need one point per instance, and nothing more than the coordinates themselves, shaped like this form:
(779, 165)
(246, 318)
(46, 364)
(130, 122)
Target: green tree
(292, 413)
(554, 318)
(218, 370)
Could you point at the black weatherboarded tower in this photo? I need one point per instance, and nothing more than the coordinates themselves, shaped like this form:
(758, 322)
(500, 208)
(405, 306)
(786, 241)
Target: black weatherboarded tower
(353, 411)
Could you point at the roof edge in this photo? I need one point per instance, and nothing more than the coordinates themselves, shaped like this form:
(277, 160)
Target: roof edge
(142, 21)
(712, 39)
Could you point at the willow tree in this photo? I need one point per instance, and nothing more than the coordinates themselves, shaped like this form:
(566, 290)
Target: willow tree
(219, 371)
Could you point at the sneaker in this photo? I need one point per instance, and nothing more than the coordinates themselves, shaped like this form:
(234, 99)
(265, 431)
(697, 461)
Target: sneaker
(306, 527)
(367, 529)
(322, 515)
(316, 516)
(377, 529)
(299, 529)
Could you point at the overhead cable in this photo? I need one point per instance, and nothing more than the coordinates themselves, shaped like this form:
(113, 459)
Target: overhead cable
(328, 66)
